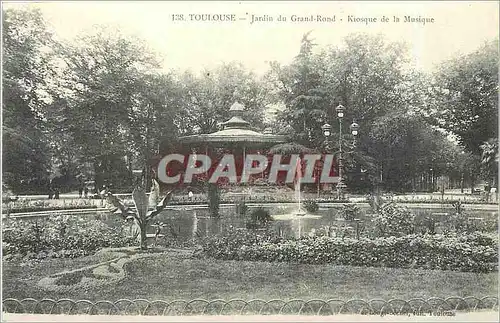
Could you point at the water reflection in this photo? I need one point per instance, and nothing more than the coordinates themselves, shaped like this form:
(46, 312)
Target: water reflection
(193, 223)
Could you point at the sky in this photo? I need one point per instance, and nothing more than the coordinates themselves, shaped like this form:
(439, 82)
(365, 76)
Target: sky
(459, 27)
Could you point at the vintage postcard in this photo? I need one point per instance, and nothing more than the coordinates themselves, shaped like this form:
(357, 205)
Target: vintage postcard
(250, 161)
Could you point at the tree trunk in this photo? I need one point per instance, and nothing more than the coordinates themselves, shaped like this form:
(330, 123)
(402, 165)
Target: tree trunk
(472, 184)
(213, 199)
(462, 183)
(98, 181)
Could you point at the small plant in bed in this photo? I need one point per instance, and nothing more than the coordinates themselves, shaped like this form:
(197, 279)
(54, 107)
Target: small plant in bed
(259, 218)
(311, 206)
(349, 212)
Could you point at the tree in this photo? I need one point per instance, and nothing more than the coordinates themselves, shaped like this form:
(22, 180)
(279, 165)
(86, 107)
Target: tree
(301, 87)
(489, 161)
(406, 149)
(466, 97)
(153, 117)
(105, 83)
(26, 71)
(367, 76)
(208, 97)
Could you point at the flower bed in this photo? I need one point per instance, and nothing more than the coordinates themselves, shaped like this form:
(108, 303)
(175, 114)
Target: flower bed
(95, 276)
(475, 252)
(58, 237)
(438, 200)
(23, 206)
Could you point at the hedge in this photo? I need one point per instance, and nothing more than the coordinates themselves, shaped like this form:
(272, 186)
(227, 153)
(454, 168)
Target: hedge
(475, 252)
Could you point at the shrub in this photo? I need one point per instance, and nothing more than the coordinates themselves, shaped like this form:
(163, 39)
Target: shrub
(349, 212)
(227, 245)
(58, 237)
(311, 206)
(393, 220)
(475, 252)
(259, 218)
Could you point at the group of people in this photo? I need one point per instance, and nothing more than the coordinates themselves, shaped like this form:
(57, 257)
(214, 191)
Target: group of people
(83, 191)
(54, 193)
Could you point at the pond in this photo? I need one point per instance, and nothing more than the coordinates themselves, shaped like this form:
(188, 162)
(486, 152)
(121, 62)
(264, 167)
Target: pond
(185, 223)
(189, 222)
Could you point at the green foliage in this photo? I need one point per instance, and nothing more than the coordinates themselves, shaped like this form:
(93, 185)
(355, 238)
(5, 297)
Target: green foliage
(349, 212)
(489, 161)
(105, 109)
(474, 252)
(225, 246)
(59, 237)
(259, 218)
(368, 77)
(114, 107)
(25, 205)
(206, 98)
(393, 220)
(303, 92)
(466, 92)
(406, 148)
(26, 70)
(290, 148)
(311, 206)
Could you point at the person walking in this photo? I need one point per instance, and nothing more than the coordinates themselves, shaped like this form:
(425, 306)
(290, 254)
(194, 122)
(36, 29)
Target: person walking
(56, 193)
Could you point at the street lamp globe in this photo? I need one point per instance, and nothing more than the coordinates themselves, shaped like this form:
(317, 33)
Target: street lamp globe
(354, 128)
(340, 111)
(326, 129)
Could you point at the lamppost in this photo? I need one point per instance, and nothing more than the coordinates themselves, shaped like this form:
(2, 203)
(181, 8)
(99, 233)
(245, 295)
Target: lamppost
(327, 132)
(327, 128)
(340, 185)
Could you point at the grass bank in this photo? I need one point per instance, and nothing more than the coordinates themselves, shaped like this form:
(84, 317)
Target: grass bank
(175, 276)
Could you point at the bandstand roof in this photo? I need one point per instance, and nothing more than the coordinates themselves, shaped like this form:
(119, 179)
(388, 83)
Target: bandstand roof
(236, 130)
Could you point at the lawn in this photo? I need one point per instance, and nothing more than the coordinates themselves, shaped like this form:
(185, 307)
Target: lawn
(176, 276)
